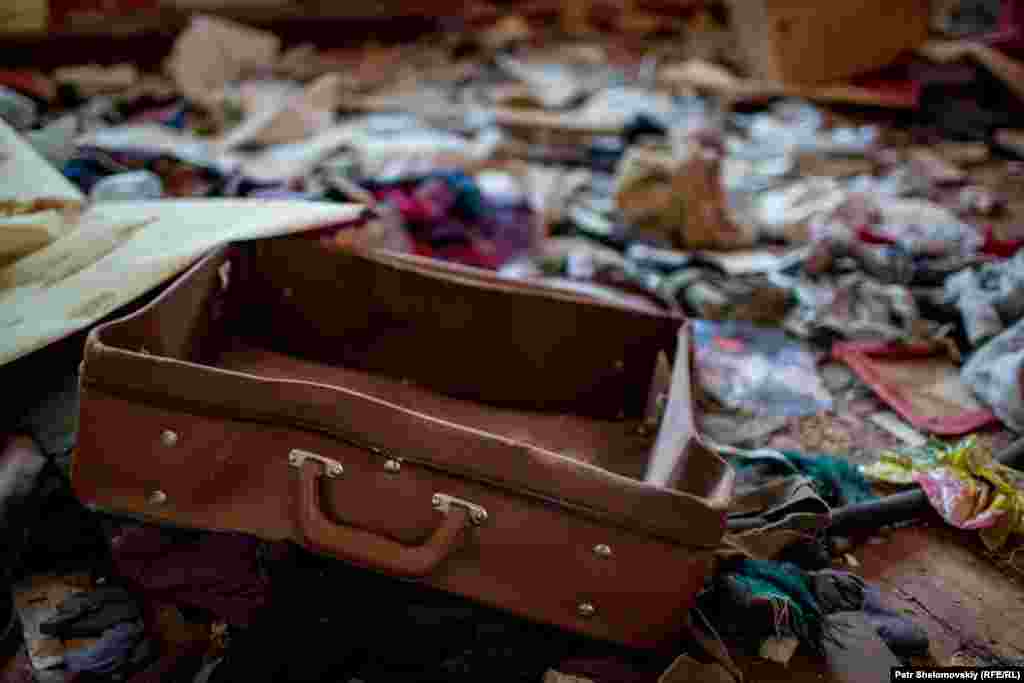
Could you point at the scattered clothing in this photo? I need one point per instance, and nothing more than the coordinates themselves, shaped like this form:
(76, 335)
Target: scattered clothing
(840, 591)
(856, 307)
(36, 600)
(111, 652)
(774, 598)
(887, 240)
(218, 572)
(92, 613)
(835, 479)
(449, 217)
(345, 614)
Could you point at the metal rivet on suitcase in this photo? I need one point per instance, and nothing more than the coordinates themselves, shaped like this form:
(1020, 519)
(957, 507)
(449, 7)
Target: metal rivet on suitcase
(620, 365)
(586, 610)
(169, 438)
(603, 550)
(392, 466)
(157, 497)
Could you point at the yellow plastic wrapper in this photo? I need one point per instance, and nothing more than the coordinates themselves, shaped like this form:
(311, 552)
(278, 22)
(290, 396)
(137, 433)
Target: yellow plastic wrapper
(964, 483)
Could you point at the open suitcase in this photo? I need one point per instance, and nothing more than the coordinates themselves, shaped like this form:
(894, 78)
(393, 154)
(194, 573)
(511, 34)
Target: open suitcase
(436, 423)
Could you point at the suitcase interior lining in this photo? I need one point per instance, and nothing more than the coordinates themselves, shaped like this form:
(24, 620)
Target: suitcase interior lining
(197, 320)
(520, 347)
(614, 445)
(617, 444)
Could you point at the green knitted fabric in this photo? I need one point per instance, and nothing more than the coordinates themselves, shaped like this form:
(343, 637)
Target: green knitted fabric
(788, 588)
(836, 480)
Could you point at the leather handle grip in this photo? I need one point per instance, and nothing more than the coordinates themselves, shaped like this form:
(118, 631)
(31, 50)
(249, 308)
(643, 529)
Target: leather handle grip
(363, 548)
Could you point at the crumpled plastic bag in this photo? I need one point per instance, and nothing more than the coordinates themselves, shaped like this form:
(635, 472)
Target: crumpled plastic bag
(965, 485)
(994, 374)
(758, 370)
(18, 111)
(856, 307)
(802, 125)
(922, 227)
(988, 296)
(785, 212)
(617, 106)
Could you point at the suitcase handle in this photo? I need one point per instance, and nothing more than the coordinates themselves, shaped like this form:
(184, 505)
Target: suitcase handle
(363, 548)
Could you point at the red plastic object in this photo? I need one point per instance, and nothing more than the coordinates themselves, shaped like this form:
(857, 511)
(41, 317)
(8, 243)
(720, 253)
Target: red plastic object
(860, 357)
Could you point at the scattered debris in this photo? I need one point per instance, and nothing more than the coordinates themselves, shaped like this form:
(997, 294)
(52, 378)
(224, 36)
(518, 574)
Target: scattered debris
(691, 164)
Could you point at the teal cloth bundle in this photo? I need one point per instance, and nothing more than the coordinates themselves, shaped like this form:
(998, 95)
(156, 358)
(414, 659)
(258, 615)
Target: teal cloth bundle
(752, 600)
(836, 480)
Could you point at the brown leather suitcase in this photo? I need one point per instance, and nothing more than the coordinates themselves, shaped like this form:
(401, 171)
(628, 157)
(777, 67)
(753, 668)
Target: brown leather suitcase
(436, 423)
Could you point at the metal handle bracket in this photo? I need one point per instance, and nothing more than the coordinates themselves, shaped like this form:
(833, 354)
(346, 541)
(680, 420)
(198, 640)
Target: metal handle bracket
(442, 502)
(332, 468)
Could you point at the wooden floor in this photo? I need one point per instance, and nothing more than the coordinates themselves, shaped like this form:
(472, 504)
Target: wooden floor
(940, 577)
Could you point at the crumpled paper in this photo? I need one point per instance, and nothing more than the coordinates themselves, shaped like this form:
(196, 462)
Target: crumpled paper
(292, 115)
(678, 193)
(214, 51)
(965, 485)
(111, 253)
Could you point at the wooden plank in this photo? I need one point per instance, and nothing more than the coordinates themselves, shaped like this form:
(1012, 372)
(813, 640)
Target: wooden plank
(940, 575)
